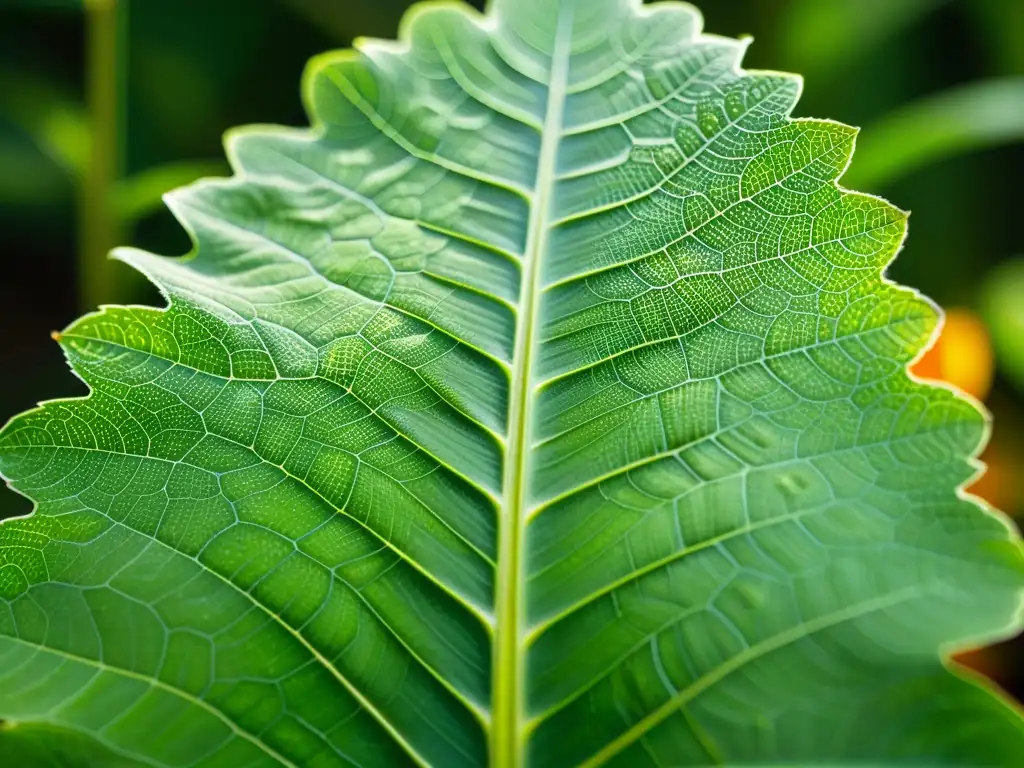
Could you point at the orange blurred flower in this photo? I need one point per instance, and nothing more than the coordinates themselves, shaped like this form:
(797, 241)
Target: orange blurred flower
(962, 355)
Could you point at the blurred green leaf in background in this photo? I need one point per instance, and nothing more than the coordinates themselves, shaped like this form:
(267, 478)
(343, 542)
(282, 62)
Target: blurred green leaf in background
(957, 121)
(823, 37)
(1003, 308)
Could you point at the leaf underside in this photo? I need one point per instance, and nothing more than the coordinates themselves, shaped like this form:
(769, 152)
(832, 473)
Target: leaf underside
(544, 404)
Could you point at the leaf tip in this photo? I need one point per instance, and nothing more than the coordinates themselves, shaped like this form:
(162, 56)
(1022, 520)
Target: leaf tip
(56, 336)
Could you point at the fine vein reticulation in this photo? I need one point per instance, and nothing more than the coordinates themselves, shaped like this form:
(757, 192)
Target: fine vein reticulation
(545, 404)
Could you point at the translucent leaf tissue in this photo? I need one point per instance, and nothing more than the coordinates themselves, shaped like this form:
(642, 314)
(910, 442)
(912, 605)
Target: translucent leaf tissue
(544, 405)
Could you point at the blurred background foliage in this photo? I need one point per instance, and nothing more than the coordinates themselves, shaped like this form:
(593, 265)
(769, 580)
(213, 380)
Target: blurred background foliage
(107, 104)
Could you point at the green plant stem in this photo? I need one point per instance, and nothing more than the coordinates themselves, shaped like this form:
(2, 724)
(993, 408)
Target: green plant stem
(98, 224)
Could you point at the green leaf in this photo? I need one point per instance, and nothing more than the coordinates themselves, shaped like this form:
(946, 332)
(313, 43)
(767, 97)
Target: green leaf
(43, 746)
(138, 196)
(545, 404)
(955, 122)
(28, 177)
(1001, 295)
(824, 36)
(49, 115)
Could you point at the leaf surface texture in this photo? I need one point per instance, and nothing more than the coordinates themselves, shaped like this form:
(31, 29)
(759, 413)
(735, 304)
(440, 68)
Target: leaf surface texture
(546, 400)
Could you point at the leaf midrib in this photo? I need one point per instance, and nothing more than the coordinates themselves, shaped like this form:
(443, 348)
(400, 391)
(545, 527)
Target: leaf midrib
(506, 742)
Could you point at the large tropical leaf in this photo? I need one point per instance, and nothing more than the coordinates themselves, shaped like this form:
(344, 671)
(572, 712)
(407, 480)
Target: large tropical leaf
(545, 401)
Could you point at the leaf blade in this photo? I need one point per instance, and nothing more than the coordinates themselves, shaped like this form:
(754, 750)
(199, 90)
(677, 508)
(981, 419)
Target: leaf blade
(556, 328)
